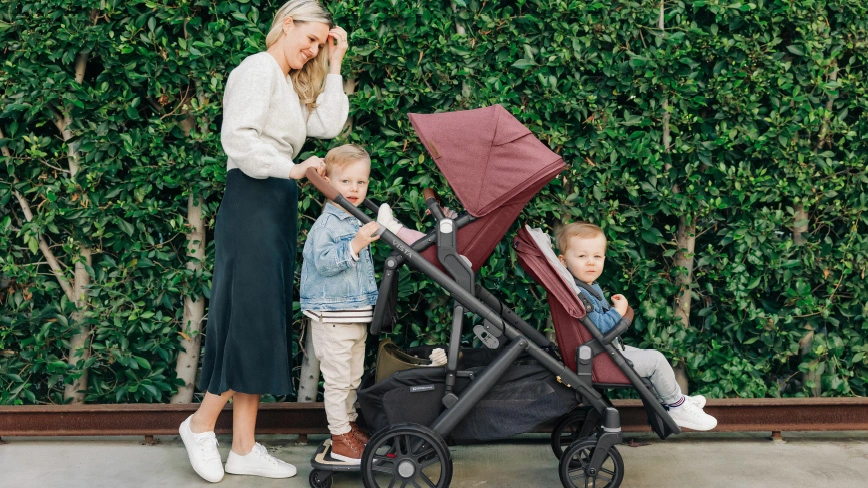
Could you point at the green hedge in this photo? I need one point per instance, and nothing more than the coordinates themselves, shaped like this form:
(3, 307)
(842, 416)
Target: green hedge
(766, 105)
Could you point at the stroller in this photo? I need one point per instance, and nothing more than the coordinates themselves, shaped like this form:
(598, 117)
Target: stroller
(520, 380)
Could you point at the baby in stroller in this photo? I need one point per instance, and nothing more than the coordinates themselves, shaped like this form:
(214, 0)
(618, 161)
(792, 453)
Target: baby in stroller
(583, 253)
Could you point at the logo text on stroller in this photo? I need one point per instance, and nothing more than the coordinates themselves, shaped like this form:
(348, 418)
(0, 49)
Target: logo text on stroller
(417, 389)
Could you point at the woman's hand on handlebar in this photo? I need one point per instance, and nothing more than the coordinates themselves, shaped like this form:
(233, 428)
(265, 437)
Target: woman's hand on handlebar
(315, 162)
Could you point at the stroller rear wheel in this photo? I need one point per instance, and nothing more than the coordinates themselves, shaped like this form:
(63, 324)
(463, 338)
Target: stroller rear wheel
(406, 455)
(575, 471)
(569, 429)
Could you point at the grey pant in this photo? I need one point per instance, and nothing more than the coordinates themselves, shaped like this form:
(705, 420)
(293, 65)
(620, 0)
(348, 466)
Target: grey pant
(651, 364)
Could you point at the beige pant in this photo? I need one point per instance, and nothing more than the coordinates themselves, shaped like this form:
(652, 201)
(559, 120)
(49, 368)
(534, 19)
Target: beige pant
(340, 349)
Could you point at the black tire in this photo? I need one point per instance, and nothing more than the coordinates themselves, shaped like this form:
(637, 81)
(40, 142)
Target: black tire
(573, 464)
(318, 480)
(568, 431)
(406, 455)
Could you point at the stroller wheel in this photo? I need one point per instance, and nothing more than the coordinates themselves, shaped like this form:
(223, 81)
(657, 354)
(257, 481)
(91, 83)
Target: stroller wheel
(406, 455)
(318, 479)
(569, 429)
(574, 469)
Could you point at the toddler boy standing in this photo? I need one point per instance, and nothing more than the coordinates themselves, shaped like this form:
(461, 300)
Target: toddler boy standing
(338, 291)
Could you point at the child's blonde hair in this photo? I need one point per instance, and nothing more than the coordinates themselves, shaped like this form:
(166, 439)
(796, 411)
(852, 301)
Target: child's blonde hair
(582, 230)
(341, 156)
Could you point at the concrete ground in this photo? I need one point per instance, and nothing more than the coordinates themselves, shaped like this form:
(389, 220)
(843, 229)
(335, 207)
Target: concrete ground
(689, 460)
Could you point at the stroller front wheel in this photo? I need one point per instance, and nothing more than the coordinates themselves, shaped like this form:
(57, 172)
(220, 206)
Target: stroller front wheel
(574, 467)
(406, 455)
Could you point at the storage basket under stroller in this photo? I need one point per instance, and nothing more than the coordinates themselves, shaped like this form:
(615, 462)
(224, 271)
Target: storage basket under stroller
(526, 396)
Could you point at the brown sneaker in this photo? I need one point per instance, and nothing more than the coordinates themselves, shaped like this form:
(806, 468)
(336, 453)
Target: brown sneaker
(361, 436)
(347, 448)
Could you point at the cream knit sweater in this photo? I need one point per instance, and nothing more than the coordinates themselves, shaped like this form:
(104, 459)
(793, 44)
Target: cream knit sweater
(264, 122)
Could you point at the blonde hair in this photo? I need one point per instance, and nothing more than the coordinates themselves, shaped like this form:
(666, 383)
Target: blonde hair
(582, 230)
(341, 156)
(309, 80)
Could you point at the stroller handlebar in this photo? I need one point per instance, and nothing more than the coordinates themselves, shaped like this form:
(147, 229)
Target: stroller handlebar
(321, 184)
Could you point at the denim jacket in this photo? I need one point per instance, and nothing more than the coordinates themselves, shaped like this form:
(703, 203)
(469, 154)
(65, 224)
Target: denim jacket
(330, 278)
(603, 316)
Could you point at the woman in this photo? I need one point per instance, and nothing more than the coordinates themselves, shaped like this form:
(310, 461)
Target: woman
(273, 101)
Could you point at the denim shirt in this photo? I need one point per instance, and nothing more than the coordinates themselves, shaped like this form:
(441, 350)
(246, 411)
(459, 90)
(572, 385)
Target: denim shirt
(330, 278)
(603, 316)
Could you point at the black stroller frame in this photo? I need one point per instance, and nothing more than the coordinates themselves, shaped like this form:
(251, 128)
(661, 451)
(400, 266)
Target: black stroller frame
(499, 322)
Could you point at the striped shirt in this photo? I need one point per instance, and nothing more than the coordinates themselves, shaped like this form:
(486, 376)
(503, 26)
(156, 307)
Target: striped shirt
(362, 315)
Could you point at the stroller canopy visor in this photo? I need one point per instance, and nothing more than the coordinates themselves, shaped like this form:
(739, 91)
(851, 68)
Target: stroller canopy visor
(489, 158)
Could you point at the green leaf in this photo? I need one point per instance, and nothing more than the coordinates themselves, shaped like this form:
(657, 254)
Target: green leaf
(524, 63)
(142, 362)
(795, 50)
(126, 227)
(652, 236)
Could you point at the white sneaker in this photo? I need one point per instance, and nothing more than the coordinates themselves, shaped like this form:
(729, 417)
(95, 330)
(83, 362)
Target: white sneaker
(202, 451)
(259, 463)
(690, 416)
(697, 400)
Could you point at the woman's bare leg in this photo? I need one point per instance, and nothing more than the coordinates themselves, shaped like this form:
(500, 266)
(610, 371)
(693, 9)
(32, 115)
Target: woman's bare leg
(245, 406)
(205, 417)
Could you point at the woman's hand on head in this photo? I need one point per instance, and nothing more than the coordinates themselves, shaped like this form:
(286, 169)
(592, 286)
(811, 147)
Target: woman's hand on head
(297, 172)
(338, 45)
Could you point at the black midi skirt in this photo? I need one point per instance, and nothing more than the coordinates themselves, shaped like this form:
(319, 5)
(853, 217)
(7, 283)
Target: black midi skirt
(250, 314)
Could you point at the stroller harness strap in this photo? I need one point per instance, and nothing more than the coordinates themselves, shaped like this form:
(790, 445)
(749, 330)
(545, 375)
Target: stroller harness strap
(593, 292)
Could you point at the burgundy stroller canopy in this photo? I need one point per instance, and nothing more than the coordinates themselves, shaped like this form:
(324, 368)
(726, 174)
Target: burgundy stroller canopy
(489, 158)
(493, 163)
